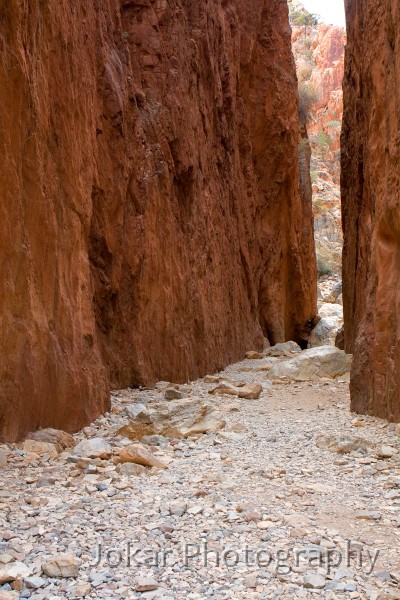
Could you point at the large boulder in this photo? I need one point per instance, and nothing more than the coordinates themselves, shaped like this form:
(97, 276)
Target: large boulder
(331, 310)
(40, 448)
(59, 438)
(313, 364)
(335, 293)
(324, 334)
(12, 571)
(175, 418)
(140, 422)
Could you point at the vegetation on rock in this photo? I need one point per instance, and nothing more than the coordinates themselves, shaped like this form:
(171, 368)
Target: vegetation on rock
(319, 53)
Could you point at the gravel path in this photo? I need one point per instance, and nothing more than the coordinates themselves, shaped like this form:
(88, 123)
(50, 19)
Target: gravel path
(258, 510)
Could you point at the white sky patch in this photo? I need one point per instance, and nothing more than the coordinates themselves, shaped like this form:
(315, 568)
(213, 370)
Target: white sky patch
(331, 11)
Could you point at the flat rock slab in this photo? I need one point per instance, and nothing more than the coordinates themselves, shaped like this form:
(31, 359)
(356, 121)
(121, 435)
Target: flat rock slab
(40, 448)
(314, 581)
(139, 455)
(93, 448)
(316, 363)
(61, 566)
(145, 584)
(247, 392)
(342, 444)
(13, 571)
(177, 418)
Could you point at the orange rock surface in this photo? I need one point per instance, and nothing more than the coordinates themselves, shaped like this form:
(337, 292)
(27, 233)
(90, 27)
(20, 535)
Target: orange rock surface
(319, 54)
(371, 205)
(152, 225)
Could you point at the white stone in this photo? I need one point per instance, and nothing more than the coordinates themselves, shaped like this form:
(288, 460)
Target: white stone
(178, 508)
(8, 595)
(93, 448)
(386, 452)
(283, 349)
(137, 411)
(35, 582)
(314, 364)
(331, 310)
(145, 584)
(81, 590)
(13, 571)
(325, 332)
(314, 581)
(250, 581)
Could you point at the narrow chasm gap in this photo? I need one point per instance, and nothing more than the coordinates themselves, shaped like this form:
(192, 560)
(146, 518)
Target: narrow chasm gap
(318, 49)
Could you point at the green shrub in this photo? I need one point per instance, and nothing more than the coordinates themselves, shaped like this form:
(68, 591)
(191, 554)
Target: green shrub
(305, 73)
(308, 55)
(333, 124)
(303, 19)
(322, 142)
(323, 268)
(308, 97)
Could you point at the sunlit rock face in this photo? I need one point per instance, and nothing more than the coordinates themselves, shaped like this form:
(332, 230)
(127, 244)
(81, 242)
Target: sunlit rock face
(319, 54)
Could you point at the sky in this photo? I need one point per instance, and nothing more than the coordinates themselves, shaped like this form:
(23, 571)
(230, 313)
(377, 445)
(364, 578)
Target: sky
(331, 11)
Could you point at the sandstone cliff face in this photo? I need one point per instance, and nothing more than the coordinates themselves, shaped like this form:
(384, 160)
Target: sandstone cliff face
(319, 55)
(152, 225)
(327, 76)
(371, 205)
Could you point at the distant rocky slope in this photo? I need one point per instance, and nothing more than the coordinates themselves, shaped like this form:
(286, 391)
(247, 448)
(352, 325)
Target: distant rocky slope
(319, 53)
(152, 222)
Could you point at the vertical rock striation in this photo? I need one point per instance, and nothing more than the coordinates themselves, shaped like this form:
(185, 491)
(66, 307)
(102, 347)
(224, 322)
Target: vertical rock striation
(152, 224)
(371, 205)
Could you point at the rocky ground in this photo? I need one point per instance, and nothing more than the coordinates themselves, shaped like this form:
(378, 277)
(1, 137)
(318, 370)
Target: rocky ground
(327, 210)
(287, 495)
(330, 309)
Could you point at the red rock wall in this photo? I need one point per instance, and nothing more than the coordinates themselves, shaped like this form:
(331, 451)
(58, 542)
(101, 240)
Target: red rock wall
(371, 205)
(319, 56)
(151, 224)
(326, 79)
(328, 51)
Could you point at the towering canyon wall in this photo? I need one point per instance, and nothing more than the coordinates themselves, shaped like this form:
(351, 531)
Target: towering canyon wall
(371, 205)
(152, 223)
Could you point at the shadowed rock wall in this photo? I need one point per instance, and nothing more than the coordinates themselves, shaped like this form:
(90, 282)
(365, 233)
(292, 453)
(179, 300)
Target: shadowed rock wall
(371, 205)
(152, 225)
